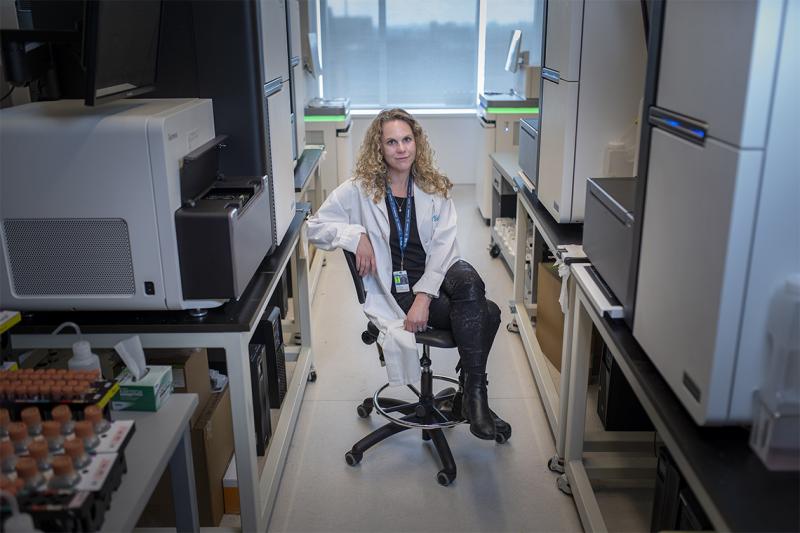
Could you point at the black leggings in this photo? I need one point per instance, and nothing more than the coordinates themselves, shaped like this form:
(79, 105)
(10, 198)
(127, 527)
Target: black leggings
(462, 307)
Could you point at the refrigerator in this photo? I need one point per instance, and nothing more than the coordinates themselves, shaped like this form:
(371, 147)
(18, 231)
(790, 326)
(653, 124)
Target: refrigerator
(720, 229)
(592, 82)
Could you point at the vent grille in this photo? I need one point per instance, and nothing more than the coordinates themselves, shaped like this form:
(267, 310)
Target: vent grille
(60, 257)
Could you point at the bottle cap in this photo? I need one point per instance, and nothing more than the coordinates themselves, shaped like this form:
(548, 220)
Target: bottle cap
(5, 417)
(6, 449)
(46, 390)
(26, 468)
(62, 465)
(74, 448)
(62, 414)
(51, 429)
(84, 429)
(93, 414)
(38, 449)
(31, 416)
(18, 431)
(81, 350)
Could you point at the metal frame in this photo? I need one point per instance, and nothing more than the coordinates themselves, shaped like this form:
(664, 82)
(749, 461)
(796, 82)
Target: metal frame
(555, 404)
(257, 493)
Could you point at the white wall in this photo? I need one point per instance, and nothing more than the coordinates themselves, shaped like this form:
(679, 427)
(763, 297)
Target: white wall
(456, 141)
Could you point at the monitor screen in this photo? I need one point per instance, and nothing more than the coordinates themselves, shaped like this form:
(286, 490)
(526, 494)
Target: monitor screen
(512, 59)
(121, 47)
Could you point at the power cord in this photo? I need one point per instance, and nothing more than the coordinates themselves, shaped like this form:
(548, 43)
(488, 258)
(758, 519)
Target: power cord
(8, 93)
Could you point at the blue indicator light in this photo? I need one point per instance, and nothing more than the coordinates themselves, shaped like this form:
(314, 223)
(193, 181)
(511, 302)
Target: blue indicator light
(699, 133)
(674, 123)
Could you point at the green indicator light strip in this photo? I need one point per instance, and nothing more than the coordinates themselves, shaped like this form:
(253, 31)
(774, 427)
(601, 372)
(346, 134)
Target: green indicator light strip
(512, 110)
(324, 118)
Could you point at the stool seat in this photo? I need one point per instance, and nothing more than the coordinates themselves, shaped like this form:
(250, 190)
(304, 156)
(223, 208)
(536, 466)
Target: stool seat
(438, 338)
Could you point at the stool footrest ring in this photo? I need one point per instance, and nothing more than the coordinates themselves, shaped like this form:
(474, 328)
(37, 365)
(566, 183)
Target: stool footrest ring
(408, 424)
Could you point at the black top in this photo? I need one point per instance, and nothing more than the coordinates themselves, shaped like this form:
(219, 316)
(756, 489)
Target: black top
(415, 256)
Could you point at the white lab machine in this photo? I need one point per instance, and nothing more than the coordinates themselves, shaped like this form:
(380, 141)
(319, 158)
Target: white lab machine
(499, 115)
(592, 81)
(721, 225)
(328, 124)
(117, 207)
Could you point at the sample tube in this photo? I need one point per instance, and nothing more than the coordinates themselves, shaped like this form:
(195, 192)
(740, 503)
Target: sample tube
(5, 420)
(74, 448)
(52, 432)
(29, 473)
(33, 419)
(84, 430)
(18, 432)
(8, 459)
(63, 414)
(95, 415)
(39, 451)
(64, 474)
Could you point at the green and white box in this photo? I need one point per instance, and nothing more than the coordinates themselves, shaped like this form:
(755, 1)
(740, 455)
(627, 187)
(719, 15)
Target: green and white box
(146, 394)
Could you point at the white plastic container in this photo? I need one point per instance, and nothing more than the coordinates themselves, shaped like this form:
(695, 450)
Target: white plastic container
(83, 358)
(775, 435)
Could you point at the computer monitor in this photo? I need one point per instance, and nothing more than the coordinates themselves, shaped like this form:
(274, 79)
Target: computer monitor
(121, 47)
(513, 58)
(98, 50)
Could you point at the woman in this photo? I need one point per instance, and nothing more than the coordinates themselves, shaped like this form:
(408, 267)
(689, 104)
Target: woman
(396, 215)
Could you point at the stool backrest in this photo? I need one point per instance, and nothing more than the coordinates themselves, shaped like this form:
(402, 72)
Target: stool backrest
(357, 281)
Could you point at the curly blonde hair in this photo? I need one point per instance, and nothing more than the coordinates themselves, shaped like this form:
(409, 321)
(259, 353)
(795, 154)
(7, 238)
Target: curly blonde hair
(371, 171)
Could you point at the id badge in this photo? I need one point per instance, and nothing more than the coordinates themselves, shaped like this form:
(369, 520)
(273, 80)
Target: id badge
(400, 278)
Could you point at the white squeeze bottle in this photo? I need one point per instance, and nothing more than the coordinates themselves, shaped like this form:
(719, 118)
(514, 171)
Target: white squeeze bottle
(83, 358)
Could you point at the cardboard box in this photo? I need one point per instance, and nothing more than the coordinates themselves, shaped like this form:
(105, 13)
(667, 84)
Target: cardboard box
(212, 448)
(549, 318)
(147, 394)
(189, 372)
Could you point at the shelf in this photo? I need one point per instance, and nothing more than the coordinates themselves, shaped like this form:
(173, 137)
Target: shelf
(155, 439)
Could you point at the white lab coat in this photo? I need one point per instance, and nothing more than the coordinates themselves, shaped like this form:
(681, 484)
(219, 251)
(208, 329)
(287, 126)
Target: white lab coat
(339, 223)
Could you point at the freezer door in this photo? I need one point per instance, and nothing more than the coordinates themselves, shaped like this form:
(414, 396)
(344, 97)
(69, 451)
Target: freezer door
(557, 147)
(696, 237)
(275, 48)
(563, 38)
(718, 65)
(280, 143)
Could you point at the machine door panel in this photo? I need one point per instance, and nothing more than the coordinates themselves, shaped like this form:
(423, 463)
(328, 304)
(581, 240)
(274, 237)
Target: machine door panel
(557, 147)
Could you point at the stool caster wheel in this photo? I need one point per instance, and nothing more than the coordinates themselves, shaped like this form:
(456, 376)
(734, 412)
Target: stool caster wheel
(556, 464)
(563, 484)
(312, 376)
(501, 437)
(363, 411)
(494, 251)
(425, 435)
(352, 459)
(445, 478)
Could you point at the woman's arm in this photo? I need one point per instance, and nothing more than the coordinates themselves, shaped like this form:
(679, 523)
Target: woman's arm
(332, 225)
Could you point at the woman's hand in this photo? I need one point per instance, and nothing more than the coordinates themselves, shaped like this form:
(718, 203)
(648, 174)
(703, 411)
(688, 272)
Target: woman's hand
(417, 316)
(365, 257)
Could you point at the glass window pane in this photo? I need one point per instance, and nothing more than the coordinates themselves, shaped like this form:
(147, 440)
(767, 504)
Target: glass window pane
(502, 18)
(410, 53)
(349, 50)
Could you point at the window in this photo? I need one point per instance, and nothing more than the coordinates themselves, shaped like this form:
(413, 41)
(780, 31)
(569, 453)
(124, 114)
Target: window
(503, 17)
(407, 53)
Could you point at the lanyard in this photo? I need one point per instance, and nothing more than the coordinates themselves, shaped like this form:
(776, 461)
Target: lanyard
(403, 235)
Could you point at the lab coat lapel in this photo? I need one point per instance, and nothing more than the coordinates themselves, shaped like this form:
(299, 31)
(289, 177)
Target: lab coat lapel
(423, 203)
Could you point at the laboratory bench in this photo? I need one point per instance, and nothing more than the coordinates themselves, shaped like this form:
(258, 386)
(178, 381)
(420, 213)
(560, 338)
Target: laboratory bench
(229, 327)
(732, 486)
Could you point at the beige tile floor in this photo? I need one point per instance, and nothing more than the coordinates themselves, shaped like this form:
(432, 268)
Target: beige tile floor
(499, 487)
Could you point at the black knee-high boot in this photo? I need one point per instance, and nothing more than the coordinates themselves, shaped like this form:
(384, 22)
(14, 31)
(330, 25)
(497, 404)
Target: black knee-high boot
(475, 406)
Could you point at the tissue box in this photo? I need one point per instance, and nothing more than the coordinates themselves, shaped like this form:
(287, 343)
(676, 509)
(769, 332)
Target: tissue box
(147, 394)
